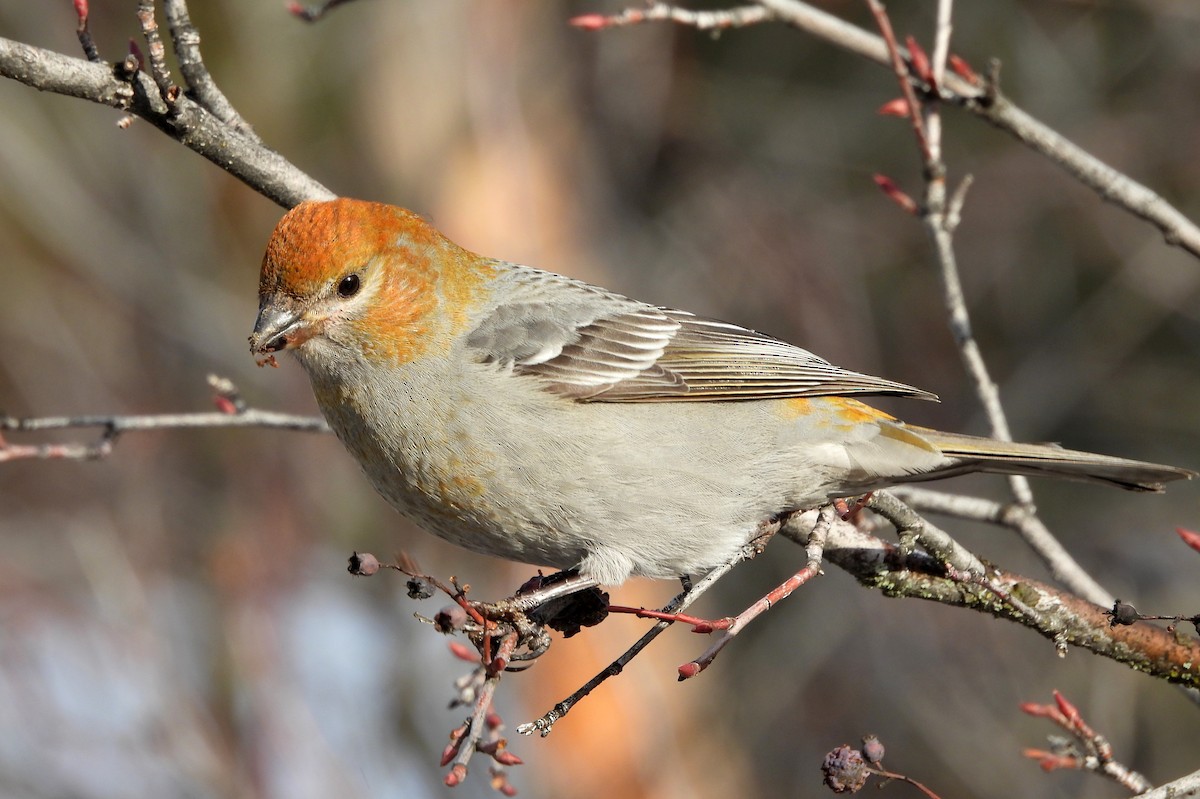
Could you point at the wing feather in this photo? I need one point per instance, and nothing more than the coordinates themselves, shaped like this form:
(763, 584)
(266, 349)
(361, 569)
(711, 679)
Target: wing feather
(588, 344)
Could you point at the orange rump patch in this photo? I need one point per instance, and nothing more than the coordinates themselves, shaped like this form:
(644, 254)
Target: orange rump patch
(835, 410)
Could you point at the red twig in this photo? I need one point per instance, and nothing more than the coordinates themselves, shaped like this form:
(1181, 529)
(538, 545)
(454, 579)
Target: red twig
(964, 70)
(466, 740)
(896, 194)
(84, 33)
(814, 549)
(903, 75)
(1192, 539)
(1096, 754)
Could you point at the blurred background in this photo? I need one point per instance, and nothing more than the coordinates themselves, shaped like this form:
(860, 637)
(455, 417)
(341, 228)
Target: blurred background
(176, 620)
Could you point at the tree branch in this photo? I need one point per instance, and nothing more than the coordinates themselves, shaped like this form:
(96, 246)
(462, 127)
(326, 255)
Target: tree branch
(987, 103)
(1188, 785)
(259, 167)
(1057, 615)
(1020, 518)
(114, 426)
(204, 89)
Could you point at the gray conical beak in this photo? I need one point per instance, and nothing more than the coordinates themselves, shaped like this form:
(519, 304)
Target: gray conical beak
(277, 328)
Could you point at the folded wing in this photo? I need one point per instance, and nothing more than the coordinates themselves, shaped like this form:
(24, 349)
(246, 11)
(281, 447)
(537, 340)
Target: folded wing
(588, 344)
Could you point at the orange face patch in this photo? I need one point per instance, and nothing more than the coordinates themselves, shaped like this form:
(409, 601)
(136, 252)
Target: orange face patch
(427, 283)
(398, 326)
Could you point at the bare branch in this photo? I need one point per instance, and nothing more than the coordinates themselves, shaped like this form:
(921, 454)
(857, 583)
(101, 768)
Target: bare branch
(938, 225)
(167, 90)
(941, 39)
(1112, 185)
(84, 32)
(701, 20)
(896, 58)
(114, 426)
(1094, 753)
(940, 215)
(1058, 615)
(987, 103)
(546, 722)
(814, 550)
(191, 125)
(1032, 530)
(934, 540)
(1185, 786)
(475, 726)
(203, 88)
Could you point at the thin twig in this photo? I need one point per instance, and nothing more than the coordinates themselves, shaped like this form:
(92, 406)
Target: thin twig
(941, 39)
(941, 51)
(476, 725)
(203, 88)
(84, 32)
(989, 104)
(941, 235)
(546, 723)
(113, 426)
(1188, 785)
(1096, 755)
(49, 71)
(897, 57)
(934, 540)
(654, 12)
(191, 125)
(961, 564)
(157, 54)
(996, 109)
(940, 219)
(814, 550)
(891, 775)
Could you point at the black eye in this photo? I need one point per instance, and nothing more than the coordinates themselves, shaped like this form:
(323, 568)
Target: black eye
(349, 285)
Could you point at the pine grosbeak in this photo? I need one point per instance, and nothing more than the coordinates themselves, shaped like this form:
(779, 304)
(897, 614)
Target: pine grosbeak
(533, 417)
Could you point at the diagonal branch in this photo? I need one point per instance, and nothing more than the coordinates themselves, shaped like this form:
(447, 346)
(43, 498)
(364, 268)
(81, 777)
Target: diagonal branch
(203, 88)
(259, 167)
(988, 104)
(1057, 615)
(1188, 785)
(690, 594)
(940, 213)
(1019, 518)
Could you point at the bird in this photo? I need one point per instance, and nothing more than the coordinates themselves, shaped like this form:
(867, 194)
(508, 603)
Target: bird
(536, 418)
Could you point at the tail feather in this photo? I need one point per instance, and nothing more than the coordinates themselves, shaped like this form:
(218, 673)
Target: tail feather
(973, 454)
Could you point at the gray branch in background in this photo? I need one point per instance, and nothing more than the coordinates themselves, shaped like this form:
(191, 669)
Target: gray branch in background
(233, 148)
(990, 105)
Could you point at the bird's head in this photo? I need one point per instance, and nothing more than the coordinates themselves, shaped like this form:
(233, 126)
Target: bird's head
(348, 278)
